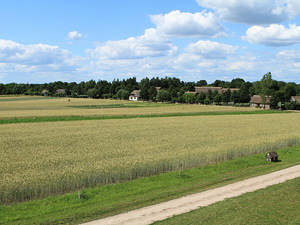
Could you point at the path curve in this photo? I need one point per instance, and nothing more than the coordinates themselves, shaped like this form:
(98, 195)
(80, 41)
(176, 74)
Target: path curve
(150, 214)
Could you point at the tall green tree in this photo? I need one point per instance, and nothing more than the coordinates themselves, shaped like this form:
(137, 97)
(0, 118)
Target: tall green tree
(265, 88)
(92, 93)
(236, 83)
(201, 83)
(163, 96)
(152, 92)
(189, 98)
(235, 97)
(200, 98)
(144, 87)
(210, 96)
(226, 96)
(122, 94)
(217, 99)
(244, 93)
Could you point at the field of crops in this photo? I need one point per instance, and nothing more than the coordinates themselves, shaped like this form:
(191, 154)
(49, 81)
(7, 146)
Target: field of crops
(40, 159)
(23, 106)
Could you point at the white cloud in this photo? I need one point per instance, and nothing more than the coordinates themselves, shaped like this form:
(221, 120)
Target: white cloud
(273, 35)
(254, 11)
(293, 7)
(211, 50)
(75, 35)
(36, 55)
(292, 55)
(181, 24)
(147, 45)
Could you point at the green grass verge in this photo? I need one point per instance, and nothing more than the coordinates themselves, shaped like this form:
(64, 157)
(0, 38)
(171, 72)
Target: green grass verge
(77, 118)
(278, 204)
(117, 198)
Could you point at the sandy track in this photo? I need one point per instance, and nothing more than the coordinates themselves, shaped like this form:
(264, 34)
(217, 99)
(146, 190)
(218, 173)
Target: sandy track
(185, 204)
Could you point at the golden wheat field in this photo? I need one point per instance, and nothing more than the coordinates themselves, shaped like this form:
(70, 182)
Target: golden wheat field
(28, 106)
(40, 159)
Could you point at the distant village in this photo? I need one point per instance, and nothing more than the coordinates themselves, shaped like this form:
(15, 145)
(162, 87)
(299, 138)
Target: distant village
(266, 93)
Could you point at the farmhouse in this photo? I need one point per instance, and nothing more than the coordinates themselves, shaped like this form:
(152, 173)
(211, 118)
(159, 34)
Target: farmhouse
(295, 99)
(231, 89)
(61, 91)
(257, 102)
(45, 92)
(220, 90)
(206, 89)
(135, 95)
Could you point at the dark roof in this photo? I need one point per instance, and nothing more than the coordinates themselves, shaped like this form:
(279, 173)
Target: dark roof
(272, 154)
(220, 90)
(231, 89)
(135, 93)
(206, 89)
(258, 99)
(61, 91)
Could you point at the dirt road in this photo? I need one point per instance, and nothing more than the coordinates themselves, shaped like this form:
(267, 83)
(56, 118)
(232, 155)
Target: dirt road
(185, 204)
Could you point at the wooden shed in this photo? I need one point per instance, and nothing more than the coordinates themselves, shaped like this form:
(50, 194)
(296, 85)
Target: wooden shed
(272, 157)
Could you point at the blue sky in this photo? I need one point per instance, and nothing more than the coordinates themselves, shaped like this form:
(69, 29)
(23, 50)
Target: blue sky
(76, 40)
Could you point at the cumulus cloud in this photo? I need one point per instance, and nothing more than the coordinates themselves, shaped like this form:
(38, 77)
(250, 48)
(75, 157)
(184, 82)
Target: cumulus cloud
(211, 50)
(291, 55)
(38, 54)
(181, 24)
(148, 45)
(273, 35)
(293, 7)
(74, 35)
(254, 11)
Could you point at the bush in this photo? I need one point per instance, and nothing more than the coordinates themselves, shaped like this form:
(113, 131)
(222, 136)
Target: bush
(292, 106)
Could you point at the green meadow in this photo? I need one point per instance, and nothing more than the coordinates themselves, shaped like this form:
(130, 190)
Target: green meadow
(66, 161)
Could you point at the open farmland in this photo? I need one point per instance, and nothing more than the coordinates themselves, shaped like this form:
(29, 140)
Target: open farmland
(40, 159)
(28, 107)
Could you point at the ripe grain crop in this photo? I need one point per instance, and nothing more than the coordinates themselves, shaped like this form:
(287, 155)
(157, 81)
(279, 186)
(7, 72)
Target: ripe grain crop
(28, 107)
(41, 159)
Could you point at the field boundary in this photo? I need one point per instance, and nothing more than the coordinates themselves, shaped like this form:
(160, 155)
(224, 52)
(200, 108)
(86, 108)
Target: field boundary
(80, 118)
(161, 211)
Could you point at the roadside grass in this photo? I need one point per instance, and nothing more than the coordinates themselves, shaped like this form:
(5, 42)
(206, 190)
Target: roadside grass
(95, 203)
(278, 204)
(78, 118)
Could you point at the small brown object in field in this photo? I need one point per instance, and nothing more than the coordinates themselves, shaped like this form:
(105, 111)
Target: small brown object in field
(272, 157)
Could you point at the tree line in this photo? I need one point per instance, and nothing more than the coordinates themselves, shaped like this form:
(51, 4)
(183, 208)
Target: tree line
(171, 89)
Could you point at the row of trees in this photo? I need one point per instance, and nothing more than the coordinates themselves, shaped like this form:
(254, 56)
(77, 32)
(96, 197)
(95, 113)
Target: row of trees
(172, 89)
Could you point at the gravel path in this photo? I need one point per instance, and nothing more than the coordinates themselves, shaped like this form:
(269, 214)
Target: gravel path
(188, 203)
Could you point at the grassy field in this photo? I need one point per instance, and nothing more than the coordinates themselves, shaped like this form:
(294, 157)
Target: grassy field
(96, 146)
(95, 203)
(41, 159)
(28, 107)
(278, 204)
